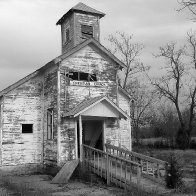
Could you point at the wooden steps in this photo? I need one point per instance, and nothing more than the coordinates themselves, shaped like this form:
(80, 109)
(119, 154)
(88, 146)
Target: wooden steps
(65, 173)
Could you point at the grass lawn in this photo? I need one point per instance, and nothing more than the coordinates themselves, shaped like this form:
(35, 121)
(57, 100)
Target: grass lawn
(187, 159)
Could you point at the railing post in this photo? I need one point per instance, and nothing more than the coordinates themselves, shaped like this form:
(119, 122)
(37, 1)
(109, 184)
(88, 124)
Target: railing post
(139, 172)
(80, 135)
(107, 169)
(158, 171)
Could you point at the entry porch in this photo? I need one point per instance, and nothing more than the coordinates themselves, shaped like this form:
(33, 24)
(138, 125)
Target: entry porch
(98, 121)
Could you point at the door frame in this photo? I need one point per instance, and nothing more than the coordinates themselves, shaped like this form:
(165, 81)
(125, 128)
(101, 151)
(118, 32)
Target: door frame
(79, 133)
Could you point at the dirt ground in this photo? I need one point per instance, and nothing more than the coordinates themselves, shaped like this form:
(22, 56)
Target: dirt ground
(41, 185)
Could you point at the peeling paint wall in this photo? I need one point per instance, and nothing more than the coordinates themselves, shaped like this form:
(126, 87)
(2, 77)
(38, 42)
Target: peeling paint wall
(88, 60)
(23, 105)
(73, 23)
(50, 101)
(125, 125)
(89, 20)
(67, 143)
(112, 131)
(1, 127)
(67, 24)
(91, 61)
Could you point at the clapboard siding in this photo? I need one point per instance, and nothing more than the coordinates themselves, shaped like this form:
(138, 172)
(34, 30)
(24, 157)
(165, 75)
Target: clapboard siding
(67, 45)
(125, 133)
(50, 101)
(67, 141)
(23, 105)
(1, 127)
(85, 19)
(90, 61)
(87, 60)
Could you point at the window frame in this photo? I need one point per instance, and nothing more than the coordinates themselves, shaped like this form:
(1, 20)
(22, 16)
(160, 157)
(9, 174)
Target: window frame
(50, 124)
(89, 77)
(23, 128)
(86, 35)
(67, 35)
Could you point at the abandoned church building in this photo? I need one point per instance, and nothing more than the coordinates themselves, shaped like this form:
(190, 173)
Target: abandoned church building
(72, 100)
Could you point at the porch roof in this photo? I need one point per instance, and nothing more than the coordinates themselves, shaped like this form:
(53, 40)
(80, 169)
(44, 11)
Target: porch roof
(88, 104)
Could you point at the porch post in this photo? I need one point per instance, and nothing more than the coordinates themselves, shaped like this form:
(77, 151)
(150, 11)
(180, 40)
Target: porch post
(80, 135)
(76, 138)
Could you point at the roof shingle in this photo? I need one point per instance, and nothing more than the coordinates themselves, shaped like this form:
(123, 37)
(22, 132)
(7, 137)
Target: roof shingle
(81, 7)
(81, 106)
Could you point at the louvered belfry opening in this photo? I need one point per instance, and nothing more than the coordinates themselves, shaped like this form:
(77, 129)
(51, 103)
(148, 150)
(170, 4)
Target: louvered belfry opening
(80, 23)
(87, 31)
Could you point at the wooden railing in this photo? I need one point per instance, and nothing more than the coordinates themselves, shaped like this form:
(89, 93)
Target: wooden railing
(151, 168)
(118, 170)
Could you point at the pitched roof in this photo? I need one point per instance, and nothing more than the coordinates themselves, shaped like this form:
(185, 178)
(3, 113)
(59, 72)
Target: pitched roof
(25, 79)
(62, 57)
(81, 7)
(95, 43)
(89, 103)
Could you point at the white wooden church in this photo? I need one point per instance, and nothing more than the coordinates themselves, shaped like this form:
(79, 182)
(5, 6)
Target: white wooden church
(72, 100)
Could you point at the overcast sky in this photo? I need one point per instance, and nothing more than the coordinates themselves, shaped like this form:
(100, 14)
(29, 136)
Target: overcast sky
(29, 37)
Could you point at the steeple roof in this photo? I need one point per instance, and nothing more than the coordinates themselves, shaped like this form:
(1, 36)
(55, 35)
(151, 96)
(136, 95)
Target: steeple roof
(81, 7)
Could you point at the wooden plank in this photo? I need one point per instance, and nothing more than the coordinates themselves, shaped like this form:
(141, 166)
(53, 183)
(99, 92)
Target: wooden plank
(58, 117)
(76, 138)
(65, 173)
(108, 169)
(80, 135)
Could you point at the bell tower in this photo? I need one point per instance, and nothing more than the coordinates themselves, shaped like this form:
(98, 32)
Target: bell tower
(81, 22)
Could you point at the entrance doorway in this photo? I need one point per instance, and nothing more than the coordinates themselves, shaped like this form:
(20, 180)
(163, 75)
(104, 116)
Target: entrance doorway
(92, 134)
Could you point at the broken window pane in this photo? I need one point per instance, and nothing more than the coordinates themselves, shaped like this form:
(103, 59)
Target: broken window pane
(92, 77)
(81, 76)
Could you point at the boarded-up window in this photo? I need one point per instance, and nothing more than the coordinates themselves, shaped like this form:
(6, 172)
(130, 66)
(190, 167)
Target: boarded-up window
(50, 124)
(87, 31)
(27, 128)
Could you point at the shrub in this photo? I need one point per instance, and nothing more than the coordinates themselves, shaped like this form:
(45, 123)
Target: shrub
(182, 139)
(174, 172)
(193, 144)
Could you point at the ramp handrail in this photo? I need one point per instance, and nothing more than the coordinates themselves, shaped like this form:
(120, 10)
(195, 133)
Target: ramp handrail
(152, 168)
(111, 167)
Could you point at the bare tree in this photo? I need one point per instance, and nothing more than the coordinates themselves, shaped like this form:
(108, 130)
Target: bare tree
(169, 85)
(179, 81)
(129, 52)
(190, 5)
(140, 107)
(123, 46)
(191, 40)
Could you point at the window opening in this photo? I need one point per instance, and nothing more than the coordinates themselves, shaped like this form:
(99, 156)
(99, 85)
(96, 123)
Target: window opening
(87, 31)
(92, 77)
(81, 76)
(67, 35)
(27, 128)
(50, 124)
(73, 75)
